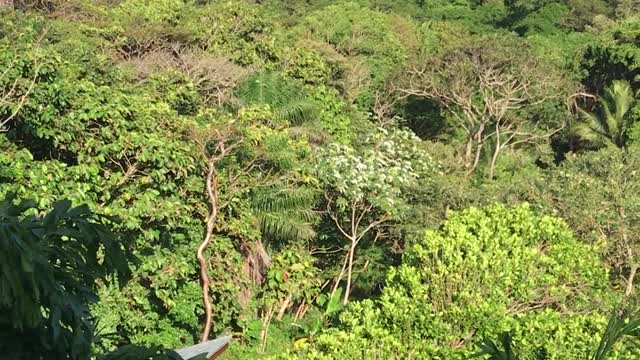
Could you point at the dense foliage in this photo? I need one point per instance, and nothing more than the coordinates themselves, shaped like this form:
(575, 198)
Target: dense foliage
(49, 271)
(484, 272)
(411, 178)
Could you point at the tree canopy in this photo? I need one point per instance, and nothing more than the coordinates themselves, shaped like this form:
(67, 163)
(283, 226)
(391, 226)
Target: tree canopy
(319, 178)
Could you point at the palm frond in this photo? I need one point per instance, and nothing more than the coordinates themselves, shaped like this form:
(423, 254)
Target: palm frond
(273, 200)
(286, 213)
(621, 95)
(609, 124)
(591, 130)
(298, 112)
(269, 88)
(489, 347)
(621, 325)
(285, 97)
(608, 119)
(623, 101)
(285, 226)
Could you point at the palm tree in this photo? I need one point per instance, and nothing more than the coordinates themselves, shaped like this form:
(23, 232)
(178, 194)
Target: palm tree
(609, 125)
(288, 101)
(285, 214)
(284, 96)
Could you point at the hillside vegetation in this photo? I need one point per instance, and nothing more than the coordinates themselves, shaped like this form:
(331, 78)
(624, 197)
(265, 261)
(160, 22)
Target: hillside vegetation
(321, 179)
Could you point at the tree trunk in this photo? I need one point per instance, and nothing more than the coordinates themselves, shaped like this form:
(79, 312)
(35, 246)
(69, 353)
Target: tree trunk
(476, 159)
(340, 276)
(467, 151)
(305, 308)
(494, 160)
(264, 332)
(299, 311)
(633, 267)
(347, 291)
(212, 193)
(496, 151)
(632, 275)
(479, 144)
(283, 307)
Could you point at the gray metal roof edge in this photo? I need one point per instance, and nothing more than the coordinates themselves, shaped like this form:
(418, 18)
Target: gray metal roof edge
(209, 347)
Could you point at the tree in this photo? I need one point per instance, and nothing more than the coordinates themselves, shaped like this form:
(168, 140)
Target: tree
(485, 85)
(364, 46)
(49, 281)
(215, 142)
(48, 277)
(611, 123)
(21, 68)
(626, 8)
(482, 272)
(363, 191)
(597, 194)
(580, 15)
(252, 180)
(612, 55)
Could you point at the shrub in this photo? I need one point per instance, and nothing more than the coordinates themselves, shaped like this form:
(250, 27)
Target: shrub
(486, 271)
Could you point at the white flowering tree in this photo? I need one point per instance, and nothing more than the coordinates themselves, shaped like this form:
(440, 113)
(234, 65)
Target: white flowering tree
(364, 188)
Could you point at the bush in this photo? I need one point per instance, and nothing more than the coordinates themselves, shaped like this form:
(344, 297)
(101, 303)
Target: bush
(486, 271)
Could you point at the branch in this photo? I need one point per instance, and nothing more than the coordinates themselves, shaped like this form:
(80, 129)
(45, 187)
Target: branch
(364, 212)
(333, 216)
(212, 192)
(372, 225)
(23, 98)
(532, 137)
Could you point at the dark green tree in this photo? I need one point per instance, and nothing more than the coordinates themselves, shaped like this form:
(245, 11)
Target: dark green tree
(47, 278)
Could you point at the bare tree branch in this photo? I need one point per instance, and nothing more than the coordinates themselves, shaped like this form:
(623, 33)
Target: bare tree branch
(483, 86)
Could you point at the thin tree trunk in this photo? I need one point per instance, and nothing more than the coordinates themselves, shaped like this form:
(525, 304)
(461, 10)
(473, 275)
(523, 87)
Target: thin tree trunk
(347, 291)
(264, 332)
(496, 151)
(630, 258)
(299, 311)
(467, 150)
(340, 276)
(494, 160)
(212, 193)
(476, 159)
(632, 275)
(283, 307)
(479, 144)
(305, 308)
